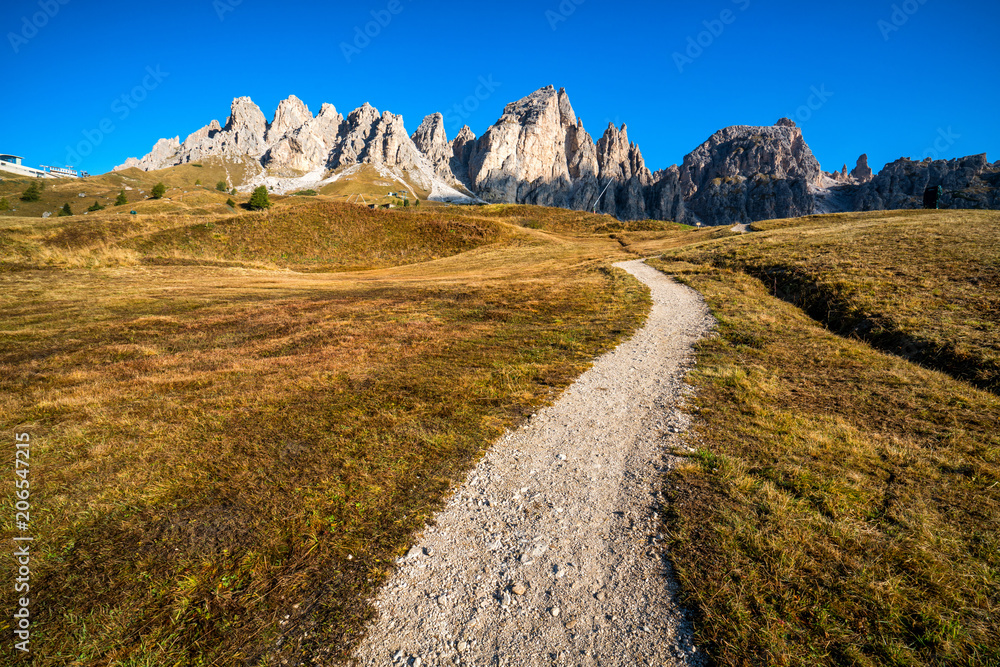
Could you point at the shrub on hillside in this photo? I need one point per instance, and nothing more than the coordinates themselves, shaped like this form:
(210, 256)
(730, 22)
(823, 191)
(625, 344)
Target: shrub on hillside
(65, 210)
(121, 200)
(230, 203)
(4, 204)
(259, 200)
(159, 190)
(221, 186)
(96, 207)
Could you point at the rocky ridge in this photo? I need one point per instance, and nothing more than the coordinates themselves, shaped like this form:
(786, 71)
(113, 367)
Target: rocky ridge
(539, 152)
(297, 145)
(969, 182)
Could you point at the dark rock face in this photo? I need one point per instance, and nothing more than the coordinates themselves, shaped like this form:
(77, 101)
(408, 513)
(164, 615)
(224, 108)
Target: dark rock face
(969, 182)
(746, 173)
(742, 200)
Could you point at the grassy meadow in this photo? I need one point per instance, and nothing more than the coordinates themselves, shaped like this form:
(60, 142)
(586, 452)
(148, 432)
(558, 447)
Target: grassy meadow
(844, 504)
(240, 419)
(230, 449)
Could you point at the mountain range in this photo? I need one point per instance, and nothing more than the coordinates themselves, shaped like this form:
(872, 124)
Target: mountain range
(538, 152)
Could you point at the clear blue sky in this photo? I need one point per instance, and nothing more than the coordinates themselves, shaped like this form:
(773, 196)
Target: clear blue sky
(927, 74)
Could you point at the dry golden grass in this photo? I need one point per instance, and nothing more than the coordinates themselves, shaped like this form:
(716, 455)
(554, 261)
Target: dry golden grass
(300, 233)
(844, 504)
(217, 448)
(921, 284)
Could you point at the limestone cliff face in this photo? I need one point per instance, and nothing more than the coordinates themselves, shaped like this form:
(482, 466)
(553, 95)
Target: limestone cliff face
(163, 150)
(245, 130)
(523, 155)
(539, 152)
(295, 141)
(291, 115)
(308, 147)
(969, 182)
(462, 147)
(432, 140)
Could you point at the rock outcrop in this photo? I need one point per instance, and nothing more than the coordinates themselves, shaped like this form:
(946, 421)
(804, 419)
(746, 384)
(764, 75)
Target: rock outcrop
(291, 115)
(969, 182)
(163, 151)
(743, 172)
(522, 157)
(308, 147)
(431, 139)
(462, 148)
(862, 173)
(245, 131)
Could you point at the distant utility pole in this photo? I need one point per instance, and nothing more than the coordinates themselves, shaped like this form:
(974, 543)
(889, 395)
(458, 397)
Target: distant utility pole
(602, 193)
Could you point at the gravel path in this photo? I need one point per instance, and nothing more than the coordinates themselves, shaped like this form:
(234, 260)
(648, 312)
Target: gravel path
(548, 554)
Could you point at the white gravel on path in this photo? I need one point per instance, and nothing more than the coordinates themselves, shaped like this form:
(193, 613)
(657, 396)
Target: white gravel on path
(548, 554)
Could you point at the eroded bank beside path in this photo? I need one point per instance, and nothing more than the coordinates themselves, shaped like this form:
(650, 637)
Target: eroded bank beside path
(548, 553)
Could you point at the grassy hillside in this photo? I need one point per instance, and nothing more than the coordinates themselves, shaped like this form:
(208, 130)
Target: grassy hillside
(843, 505)
(321, 236)
(183, 196)
(227, 459)
(299, 233)
(921, 284)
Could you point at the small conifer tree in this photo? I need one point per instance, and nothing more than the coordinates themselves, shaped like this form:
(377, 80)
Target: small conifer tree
(96, 207)
(121, 200)
(32, 193)
(221, 186)
(259, 199)
(65, 210)
(159, 190)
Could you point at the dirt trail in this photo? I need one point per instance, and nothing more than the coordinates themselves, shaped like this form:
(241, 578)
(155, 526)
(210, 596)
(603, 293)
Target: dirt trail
(548, 553)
